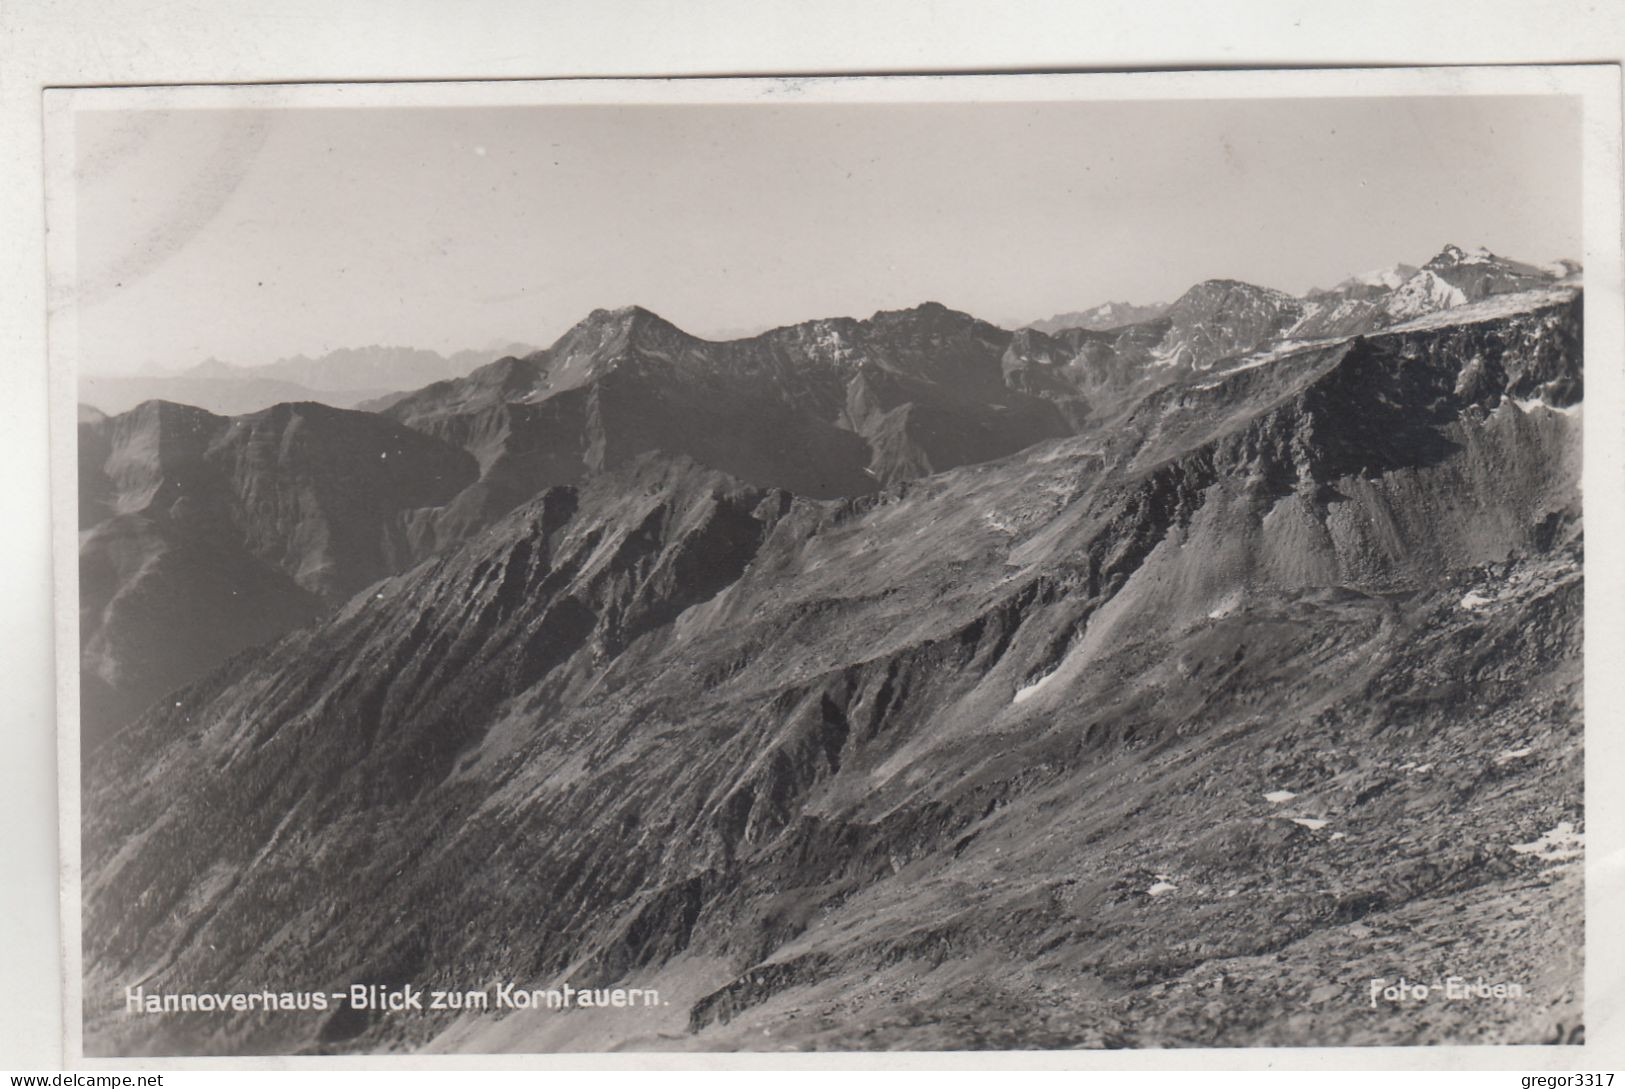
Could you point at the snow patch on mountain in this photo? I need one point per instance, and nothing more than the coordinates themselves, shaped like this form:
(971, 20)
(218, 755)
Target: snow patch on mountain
(1424, 293)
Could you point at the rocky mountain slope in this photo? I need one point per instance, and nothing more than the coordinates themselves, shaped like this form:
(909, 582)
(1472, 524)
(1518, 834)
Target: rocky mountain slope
(1175, 726)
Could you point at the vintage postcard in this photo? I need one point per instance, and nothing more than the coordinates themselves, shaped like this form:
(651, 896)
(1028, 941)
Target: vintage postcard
(979, 564)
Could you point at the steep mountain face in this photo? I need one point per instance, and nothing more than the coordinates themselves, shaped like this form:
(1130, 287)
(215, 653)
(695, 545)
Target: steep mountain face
(202, 535)
(1424, 293)
(1110, 315)
(1176, 731)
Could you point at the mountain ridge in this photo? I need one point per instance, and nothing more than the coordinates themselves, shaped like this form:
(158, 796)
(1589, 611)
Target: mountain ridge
(1479, 272)
(342, 378)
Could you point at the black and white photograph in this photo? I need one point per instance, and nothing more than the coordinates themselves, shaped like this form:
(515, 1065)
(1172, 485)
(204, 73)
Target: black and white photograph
(903, 564)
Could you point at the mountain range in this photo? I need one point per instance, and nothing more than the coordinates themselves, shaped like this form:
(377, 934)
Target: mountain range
(1360, 304)
(903, 682)
(1108, 315)
(342, 378)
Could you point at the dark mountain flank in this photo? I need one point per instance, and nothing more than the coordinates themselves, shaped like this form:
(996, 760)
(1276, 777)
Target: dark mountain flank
(901, 684)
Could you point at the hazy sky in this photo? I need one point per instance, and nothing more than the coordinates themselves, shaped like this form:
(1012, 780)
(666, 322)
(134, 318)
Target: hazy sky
(252, 235)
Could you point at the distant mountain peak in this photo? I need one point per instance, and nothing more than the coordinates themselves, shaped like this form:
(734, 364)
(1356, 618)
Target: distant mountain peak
(1108, 315)
(1452, 255)
(1390, 276)
(1423, 293)
(213, 368)
(621, 314)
